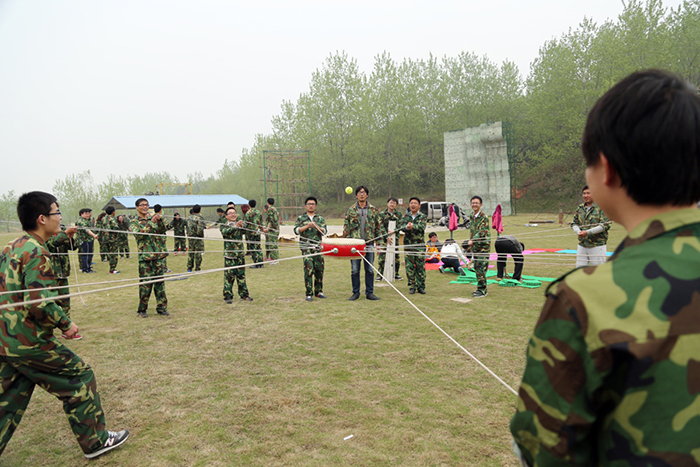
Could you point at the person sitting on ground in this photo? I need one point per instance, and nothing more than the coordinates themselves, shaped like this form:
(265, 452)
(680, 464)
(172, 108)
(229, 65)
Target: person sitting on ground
(451, 255)
(432, 248)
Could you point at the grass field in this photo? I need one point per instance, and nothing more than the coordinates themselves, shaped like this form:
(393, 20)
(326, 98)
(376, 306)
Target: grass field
(281, 381)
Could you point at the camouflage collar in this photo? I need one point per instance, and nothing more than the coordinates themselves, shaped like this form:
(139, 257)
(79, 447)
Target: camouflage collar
(659, 224)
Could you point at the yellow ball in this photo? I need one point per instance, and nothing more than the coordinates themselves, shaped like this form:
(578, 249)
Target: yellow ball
(348, 190)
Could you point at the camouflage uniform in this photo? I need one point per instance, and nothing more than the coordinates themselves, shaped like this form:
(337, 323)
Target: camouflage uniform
(384, 218)
(195, 228)
(352, 229)
(178, 227)
(59, 245)
(309, 241)
(272, 221)
(415, 239)
(149, 253)
(591, 247)
(109, 244)
(233, 256)
(123, 238)
(31, 355)
(481, 247)
(612, 375)
(253, 223)
(86, 243)
(99, 225)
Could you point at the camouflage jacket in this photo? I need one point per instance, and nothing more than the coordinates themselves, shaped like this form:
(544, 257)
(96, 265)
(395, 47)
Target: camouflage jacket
(195, 226)
(99, 225)
(351, 226)
(83, 226)
(148, 245)
(384, 218)
(25, 265)
(59, 245)
(111, 224)
(479, 227)
(253, 223)
(587, 219)
(612, 374)
(178, 227)
(272, 220)
(414, 238)
(233, 241)
(310, 238)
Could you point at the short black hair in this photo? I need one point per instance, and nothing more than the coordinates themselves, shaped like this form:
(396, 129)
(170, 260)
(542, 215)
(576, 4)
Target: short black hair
(196, 208)
(230, 208)
(32, 205)
(477, 197)
(83, 211)
(414, 197)
(139, 201)
(311, 198)
(157, 208)
(252, 203)
(648, 128)
(231, 203)
(109, 210)
(176, 214)
(585, 187)
(432, 234)
(361, 187)
(271, 201)
(219, 210)
(393, 199)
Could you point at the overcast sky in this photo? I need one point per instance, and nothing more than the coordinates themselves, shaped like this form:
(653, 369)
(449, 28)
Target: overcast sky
(135, 86)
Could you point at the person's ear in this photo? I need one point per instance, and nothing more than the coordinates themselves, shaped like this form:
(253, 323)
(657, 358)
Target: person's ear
(610, 175)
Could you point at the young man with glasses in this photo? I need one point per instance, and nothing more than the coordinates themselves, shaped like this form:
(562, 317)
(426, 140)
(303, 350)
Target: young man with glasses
(311, 228)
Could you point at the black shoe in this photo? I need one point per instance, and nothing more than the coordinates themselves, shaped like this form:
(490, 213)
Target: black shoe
(309, 298)
(320, 295)
(421, 291)
(398, 278)
(164, 313)
(354, 297)
(378, 278)
(115, 439)
(371, 296)
(142, 314)
(247, 298)
(411, 290)
(479, 294)
(228, 301)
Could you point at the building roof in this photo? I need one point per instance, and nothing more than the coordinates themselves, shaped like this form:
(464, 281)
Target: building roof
(175, 201)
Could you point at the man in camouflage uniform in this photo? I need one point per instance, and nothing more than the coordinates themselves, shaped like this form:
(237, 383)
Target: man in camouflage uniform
(150, 253)
(362, 221)
(272, 228)
(59, 246)
(178, 226)
(253, 224)
(311, 228)
(480, 245)
(109, 244)
(158, 209)
(612, 374)
(387, 215)
(413, 224)
(101, 235)
(232, 232)
(30, 355)
(86, 239)
(195, 232)
(591, 226)
(123, 238)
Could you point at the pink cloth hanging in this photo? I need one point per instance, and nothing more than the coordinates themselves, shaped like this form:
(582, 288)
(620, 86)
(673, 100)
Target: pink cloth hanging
(498, 219)
(454, 222)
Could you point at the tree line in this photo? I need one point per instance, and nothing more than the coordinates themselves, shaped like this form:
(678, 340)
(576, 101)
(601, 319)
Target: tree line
(385, 129)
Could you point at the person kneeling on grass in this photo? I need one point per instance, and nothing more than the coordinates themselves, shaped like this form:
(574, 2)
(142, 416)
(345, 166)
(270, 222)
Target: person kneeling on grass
(451, 255)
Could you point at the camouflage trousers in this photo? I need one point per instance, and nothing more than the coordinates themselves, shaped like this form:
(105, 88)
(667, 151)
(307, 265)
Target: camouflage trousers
(194, 258)
(64, 303)
(149, 269)
(313, 272)
(61, 373)
(382, 261)
(233, 275)
(271, 250)
(179, 244)
(254, 247)
(415, 268)
(110, 249)
(481, 265)
(123, 245)
(103, 249)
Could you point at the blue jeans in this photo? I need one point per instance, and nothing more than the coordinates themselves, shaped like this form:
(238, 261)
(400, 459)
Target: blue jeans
(369, 273)
(86, 249)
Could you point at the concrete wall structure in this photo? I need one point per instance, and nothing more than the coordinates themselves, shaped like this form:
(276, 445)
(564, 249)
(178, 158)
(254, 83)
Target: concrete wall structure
(476, 163)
